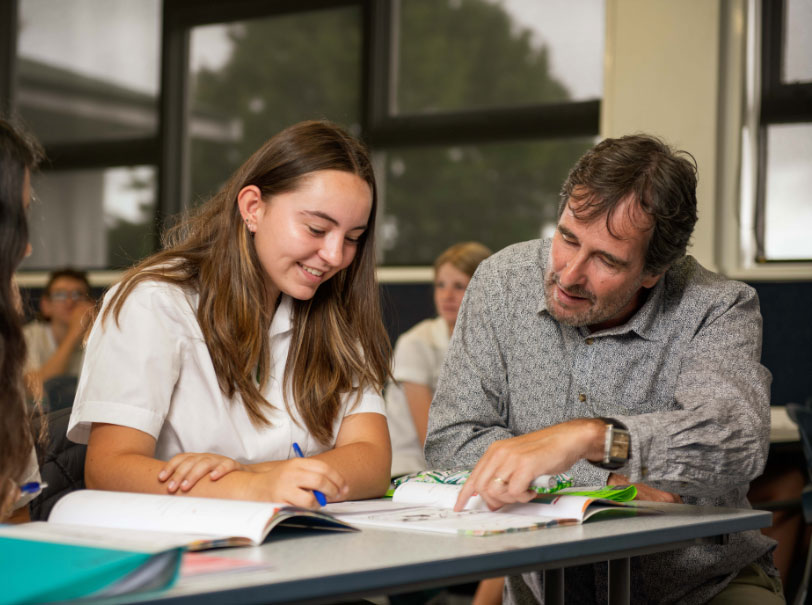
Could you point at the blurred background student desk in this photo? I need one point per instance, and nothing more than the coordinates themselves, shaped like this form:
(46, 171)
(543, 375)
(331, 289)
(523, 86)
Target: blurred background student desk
(310, 567)
(782, 428)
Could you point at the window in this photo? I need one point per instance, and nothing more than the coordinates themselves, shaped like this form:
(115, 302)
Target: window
(474, 109)
(91, 218)
(252, 78)
(96, 113)
(784, 202)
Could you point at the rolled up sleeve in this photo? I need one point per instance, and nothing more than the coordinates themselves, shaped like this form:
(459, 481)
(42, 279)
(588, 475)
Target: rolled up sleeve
(717, 438)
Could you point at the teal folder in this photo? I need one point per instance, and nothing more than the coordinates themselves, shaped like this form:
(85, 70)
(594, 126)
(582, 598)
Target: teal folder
(37, 572)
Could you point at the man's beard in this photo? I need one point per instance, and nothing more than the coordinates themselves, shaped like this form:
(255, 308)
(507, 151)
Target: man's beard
(599, 311)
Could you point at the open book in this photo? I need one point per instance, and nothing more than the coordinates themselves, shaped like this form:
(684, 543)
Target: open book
(197, 523)
(429, 507)
(102, 544)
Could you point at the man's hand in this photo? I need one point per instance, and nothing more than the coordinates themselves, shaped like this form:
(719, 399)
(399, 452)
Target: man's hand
(645, 492)
(503, 475)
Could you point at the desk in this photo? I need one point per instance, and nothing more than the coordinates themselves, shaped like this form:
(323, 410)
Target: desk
(782, 427)
(310, 568)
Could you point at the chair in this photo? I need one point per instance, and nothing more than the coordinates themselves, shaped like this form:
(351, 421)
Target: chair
(60, 392)
(801, 414)
(61, 464)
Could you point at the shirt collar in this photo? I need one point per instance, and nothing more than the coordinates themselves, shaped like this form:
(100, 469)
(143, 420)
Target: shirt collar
(282, 321)
(643, 323)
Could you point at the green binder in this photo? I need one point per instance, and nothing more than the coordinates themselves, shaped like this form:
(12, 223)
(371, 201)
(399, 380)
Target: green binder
(38, 571)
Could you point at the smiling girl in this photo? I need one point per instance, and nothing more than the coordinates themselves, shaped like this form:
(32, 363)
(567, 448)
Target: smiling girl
(256, 327)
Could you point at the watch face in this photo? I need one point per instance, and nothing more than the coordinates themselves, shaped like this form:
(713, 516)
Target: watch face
(620, 445)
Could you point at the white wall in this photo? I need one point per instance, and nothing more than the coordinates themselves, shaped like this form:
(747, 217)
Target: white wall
(662, 77)
(678, 69)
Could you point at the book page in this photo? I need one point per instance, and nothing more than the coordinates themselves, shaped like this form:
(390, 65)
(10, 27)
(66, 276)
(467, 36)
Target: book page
(390, 514)
(77, 535)
(435, 494)
(163, 513)
(445, 496)
(560, 507)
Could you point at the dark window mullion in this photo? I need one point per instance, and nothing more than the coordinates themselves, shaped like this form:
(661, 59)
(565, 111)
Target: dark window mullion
(516, 123)
(192, 13)
(780, 102)
(9, 21)
(378, 59)
(787, 103)
(102, 154)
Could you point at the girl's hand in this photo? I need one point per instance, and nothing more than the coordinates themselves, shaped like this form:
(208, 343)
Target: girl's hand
(293, 481)
(185, 470)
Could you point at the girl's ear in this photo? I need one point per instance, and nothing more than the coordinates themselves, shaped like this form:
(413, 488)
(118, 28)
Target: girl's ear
(251, 205)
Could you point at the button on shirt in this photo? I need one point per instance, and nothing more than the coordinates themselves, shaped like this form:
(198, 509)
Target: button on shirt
(683, 374)
(153, 372)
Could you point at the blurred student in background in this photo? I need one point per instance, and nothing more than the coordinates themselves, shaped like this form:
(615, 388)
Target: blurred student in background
(55, 344)
(419, 355)
(18, 462)
(418, 358)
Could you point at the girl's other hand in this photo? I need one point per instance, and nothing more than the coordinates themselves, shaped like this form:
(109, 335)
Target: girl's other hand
(185, 470)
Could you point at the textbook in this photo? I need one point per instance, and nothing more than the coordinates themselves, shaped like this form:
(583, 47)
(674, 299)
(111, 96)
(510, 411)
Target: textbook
(199, 523)
(103, 544)
(425, 506)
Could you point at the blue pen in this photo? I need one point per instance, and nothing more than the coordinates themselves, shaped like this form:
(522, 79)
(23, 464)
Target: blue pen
(33, 487)
(319, 496)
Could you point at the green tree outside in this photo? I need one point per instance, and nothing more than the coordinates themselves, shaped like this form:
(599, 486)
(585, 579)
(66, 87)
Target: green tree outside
(454, 55)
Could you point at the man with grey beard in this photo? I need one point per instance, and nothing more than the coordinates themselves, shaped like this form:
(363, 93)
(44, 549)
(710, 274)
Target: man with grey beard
(608, 353)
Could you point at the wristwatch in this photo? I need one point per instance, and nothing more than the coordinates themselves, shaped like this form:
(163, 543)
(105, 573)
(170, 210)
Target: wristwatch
(617, 446)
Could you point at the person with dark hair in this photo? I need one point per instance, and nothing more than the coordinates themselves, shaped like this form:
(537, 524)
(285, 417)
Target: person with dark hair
(18, 462)
(258, 326)
(609, 353)
(55, 345)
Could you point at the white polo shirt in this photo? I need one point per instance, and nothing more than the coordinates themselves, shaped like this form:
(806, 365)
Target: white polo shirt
(153, 372)
(419, 355)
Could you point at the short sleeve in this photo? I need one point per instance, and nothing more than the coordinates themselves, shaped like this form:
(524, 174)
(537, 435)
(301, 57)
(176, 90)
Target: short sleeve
(418, 357)
(132, 365)
(370, 402)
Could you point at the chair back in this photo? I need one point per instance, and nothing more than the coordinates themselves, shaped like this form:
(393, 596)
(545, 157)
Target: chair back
(61, 464)
(801, 414)
(60, 392)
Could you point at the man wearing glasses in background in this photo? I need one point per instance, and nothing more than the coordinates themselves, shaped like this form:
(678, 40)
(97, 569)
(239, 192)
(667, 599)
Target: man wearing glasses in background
(55, 344)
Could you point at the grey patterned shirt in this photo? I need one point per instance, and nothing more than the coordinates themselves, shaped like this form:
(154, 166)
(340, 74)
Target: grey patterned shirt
(682, 373)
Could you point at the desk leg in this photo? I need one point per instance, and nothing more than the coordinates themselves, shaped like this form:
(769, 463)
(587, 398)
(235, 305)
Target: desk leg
(553, 587)
(619, 582)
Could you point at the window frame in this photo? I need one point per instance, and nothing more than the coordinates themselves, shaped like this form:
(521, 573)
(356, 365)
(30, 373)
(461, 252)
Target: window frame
(80, 155)
(381, 128)
(780, 103)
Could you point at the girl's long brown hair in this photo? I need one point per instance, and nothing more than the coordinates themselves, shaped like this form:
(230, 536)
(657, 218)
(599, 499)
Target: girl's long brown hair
(18, 154)
(339, 345)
